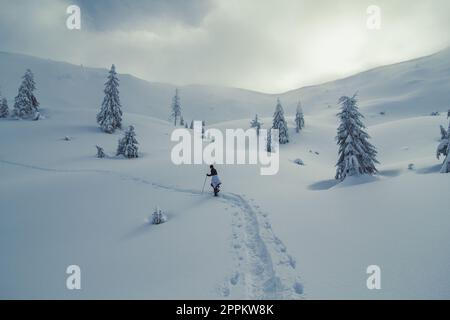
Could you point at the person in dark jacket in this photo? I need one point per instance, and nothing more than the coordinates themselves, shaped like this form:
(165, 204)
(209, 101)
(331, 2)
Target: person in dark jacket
(215, 181)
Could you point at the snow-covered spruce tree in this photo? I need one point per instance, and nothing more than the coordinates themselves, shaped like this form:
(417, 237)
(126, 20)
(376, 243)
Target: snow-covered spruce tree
(175, 108)
(192, 125)
(110, 116)
(269, 141)
(186, 125)
(256, 124)
(4, 110)
(299, 119)
(128, 144)
(181, 121)
(356, 155)
(25, 103)
(280, 123)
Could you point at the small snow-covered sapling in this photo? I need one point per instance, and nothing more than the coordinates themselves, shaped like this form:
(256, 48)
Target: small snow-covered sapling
(100, 152)
(158, 216)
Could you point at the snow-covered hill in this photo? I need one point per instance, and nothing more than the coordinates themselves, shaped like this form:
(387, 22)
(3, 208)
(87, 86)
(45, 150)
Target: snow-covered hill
(412, 88)
(408, 89)
(297, 234)
(62, 85)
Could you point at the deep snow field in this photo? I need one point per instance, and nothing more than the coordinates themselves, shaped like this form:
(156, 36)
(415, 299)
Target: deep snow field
(294, 235)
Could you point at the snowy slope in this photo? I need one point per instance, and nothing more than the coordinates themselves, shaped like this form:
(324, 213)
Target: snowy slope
(408, 89)
(297, 234)
(62, 85)
(398, 220)
(412, 88)
(93, 213)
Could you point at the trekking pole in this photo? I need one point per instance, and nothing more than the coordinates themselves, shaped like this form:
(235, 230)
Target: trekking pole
(203, 189)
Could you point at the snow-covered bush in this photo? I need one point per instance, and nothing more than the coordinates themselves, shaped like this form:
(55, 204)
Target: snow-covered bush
(25, 103)
(356, 155)
(110, 116)
(100, 152)
(128, 144)
(299, 162)
(158, 216)
(4, 110)
(411, 166)
(299, 119)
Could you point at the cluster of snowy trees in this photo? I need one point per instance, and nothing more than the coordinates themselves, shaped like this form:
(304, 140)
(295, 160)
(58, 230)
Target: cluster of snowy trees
(26, 105)
(110, 118)
(127, 146)
(279, 122)
(356, 155)
(176, 115)
(443, 148)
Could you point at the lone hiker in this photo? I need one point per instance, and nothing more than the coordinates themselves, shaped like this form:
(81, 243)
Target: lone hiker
(215, 181)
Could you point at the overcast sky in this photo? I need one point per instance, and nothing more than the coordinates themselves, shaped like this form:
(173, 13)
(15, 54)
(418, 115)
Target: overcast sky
(264, 45)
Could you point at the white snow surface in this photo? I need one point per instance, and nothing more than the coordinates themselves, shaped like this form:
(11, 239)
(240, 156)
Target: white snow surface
(295, 235)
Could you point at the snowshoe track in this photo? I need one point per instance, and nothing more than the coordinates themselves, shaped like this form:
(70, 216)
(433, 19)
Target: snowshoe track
(263, 264)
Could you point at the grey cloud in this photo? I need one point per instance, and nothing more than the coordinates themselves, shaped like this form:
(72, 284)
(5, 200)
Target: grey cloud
(107, 15)
(270, 45)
